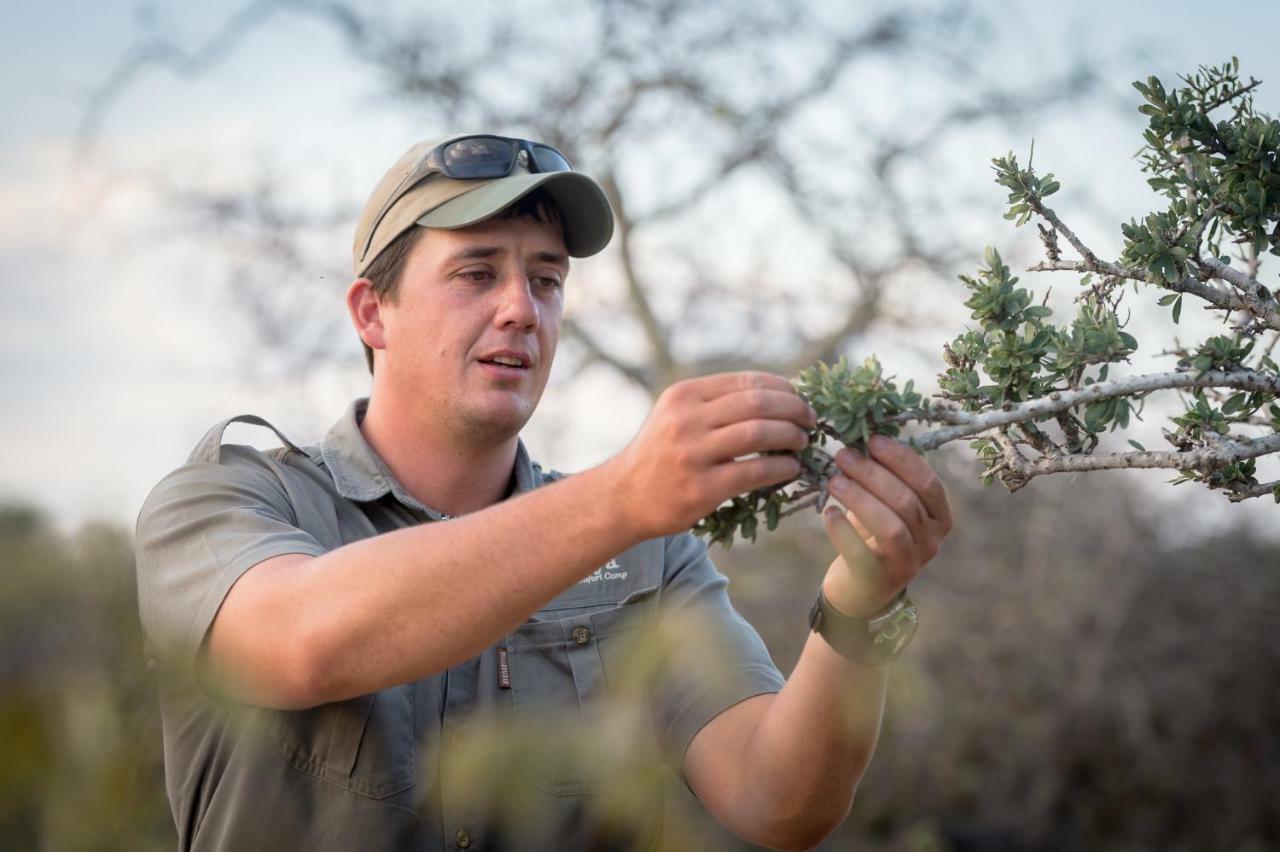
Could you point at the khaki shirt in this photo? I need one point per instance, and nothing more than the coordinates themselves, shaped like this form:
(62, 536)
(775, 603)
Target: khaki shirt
(379, 772)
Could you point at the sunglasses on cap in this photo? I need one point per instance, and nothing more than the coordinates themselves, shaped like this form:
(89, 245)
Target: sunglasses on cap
(477, 157)
(483, 156)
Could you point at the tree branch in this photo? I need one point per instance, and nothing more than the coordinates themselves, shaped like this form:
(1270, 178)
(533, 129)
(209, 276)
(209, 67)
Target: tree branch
(1268, 315)
(969, 425)
(1237, 493)
(657, 336)
(1016, 470)
(1250, 288)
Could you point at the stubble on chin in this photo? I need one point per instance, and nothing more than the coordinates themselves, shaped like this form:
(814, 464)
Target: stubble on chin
(490, 428)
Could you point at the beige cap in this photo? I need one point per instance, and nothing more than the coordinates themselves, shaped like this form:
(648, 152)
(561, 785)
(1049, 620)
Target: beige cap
(440, 202)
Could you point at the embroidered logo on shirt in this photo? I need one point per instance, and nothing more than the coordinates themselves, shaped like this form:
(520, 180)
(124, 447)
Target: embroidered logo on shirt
(611, 570)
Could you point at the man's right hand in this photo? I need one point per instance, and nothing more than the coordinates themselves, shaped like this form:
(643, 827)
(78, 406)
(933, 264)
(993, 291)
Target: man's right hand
(688, 457)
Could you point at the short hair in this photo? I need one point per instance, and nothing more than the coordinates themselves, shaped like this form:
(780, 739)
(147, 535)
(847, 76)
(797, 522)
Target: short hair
(387, 268)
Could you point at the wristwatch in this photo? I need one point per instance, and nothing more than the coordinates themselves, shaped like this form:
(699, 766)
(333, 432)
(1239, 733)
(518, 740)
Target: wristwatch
(870, 641)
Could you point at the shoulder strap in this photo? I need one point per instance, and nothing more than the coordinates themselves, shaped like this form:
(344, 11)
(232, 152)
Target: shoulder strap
(210, 445)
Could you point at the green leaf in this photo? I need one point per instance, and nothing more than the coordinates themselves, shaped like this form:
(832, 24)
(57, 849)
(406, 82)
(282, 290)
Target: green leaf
(1137, 446)
(1235, 403)
(1177, 309)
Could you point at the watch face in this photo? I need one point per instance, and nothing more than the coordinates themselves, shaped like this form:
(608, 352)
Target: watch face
(896, 633)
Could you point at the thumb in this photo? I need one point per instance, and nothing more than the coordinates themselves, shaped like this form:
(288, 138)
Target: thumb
(859, 558)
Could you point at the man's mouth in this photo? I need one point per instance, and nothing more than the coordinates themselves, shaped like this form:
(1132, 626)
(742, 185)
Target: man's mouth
(508, 360)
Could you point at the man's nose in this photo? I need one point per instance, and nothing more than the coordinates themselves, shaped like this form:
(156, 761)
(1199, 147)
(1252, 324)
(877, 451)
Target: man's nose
(518, 306)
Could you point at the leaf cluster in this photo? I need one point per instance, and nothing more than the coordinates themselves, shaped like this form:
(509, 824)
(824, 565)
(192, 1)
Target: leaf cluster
(853, 403)
(740, 516)
(1026, 189)
(1227, 168)
(1022, 355)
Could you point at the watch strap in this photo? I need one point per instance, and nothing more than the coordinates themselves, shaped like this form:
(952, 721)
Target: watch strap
(860, 639)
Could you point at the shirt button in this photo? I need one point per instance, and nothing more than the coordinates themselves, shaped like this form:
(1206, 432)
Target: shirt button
(462, 838)
(581, 635)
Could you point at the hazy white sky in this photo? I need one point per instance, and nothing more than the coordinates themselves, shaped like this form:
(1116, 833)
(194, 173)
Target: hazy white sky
(117, 346)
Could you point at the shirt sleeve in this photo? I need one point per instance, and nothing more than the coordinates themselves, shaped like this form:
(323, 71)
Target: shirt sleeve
(721, 659)
(199, 530)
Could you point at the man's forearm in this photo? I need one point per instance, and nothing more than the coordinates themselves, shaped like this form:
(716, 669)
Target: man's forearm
(811, 746)
(402, 605)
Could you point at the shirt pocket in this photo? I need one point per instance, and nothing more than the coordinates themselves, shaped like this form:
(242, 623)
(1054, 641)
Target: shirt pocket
(364, 744)
(563, 665)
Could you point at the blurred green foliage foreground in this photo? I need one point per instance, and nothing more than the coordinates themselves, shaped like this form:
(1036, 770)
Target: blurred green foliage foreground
(1080, 681)
(80, 757)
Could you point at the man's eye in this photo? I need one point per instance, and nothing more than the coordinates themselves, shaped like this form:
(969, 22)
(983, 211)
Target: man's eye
(549, 282)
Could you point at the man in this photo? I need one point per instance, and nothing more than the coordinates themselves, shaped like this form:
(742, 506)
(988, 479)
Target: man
(328, 620)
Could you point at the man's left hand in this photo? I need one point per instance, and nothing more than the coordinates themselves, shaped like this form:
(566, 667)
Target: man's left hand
(897, 515)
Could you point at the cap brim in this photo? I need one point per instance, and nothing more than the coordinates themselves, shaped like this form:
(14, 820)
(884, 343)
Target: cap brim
(588, 220)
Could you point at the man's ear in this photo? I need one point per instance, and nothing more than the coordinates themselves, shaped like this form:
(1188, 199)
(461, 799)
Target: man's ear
(366, 313)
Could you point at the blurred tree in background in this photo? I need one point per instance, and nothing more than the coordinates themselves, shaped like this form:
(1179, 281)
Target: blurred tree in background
(778, 181)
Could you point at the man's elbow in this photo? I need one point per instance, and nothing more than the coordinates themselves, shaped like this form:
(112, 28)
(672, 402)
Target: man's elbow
(803, 828)
(313, 672)
(288, 671)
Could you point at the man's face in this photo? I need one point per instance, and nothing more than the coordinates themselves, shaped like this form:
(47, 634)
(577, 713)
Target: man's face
(469, 299)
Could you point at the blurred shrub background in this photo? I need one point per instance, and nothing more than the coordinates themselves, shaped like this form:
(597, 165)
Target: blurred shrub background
(1111, 691)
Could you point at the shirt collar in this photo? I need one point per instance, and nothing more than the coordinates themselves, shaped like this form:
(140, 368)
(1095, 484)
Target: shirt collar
(360, 474)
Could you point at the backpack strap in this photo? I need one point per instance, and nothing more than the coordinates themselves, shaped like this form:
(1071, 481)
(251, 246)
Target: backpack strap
(208, 450)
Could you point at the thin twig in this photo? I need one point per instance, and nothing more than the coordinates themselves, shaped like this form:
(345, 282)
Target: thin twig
(1238, 493)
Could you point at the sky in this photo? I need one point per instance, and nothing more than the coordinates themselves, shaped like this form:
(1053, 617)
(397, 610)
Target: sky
(117, 344)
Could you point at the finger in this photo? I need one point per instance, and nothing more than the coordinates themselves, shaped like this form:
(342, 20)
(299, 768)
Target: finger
(890, 537)
(753, 436)
(738, 477)
(888, 489)
(911, 468)
(760, 404)
(849, 543)
(710, 387)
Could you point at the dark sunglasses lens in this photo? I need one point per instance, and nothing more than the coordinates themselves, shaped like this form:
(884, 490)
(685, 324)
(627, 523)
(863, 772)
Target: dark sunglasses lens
(548, 159)
(479, 157)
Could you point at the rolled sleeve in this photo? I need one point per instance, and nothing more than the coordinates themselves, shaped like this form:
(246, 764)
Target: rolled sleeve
(199, 530)
(721, 660)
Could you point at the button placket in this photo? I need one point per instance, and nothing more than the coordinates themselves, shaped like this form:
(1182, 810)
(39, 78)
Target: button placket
(461, 697)
(582, 649)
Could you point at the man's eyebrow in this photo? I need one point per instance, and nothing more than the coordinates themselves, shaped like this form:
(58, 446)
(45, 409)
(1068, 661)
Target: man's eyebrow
(552, 257)
(476, 253)
(485, 252)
